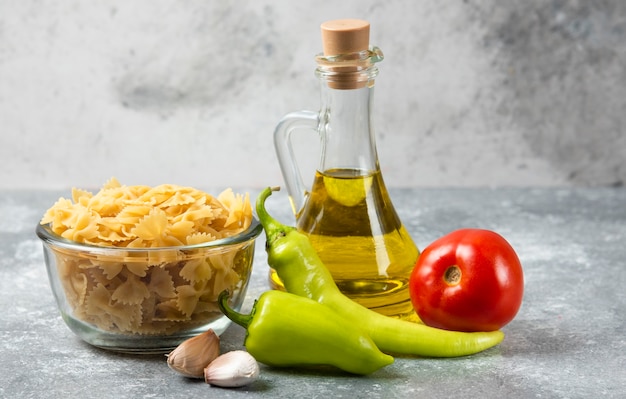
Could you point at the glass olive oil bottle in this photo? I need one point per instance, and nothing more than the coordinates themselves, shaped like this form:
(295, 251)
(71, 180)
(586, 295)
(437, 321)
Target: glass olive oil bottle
(347, 213)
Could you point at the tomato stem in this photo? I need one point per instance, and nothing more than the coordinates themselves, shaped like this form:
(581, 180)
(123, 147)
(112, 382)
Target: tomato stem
(452, 275)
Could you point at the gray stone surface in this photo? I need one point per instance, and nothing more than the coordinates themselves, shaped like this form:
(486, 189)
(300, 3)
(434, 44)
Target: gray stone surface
(566, 342)
(471, 93)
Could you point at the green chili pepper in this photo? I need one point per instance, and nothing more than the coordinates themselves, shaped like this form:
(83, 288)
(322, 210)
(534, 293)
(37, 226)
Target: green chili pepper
(287, 330)
(302, 272)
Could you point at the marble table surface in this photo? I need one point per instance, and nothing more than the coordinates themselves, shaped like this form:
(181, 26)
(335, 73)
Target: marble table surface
(567, 341)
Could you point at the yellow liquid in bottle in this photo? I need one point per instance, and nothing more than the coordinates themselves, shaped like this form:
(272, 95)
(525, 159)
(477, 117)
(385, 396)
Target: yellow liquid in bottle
(353, 226)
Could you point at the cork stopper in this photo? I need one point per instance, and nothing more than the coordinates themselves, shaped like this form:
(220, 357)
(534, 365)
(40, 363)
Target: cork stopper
(343, 36)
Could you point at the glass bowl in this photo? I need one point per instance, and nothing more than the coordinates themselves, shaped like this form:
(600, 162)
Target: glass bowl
(146, 300)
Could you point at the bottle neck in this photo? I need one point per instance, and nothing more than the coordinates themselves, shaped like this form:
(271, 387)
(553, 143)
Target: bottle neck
(348, 139)
(345, 120)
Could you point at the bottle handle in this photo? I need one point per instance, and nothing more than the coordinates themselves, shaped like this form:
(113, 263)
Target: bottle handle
(299, 120)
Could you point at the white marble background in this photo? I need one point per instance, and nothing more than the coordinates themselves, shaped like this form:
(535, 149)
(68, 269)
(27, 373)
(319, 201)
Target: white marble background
(471, 93)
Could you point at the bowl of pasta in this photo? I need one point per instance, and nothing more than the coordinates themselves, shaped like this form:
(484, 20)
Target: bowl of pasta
(139, 269)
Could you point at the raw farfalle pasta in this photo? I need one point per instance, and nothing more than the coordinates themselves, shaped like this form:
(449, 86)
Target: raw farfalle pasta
(144, 217)
(150, 292)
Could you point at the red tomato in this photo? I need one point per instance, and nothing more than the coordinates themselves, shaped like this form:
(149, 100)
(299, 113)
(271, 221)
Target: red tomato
(468, 280)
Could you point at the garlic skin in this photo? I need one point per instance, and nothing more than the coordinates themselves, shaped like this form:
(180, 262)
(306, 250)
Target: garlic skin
(193, 355)
(232, 369)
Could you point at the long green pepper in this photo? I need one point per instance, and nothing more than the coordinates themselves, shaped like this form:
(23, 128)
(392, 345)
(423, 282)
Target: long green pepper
(284, 329)
(302, 272)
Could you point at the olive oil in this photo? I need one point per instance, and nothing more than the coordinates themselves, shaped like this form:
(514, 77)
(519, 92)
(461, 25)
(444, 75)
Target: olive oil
(359, 237)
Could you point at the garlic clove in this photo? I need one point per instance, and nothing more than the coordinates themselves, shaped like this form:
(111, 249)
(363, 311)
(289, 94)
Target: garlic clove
(193, 355)
(232, 369)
